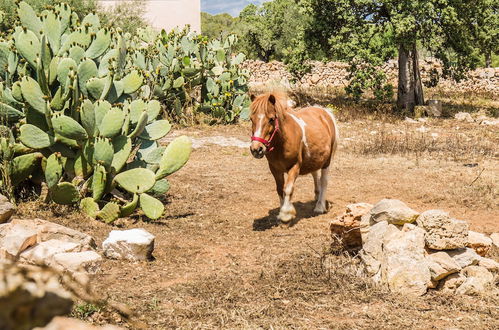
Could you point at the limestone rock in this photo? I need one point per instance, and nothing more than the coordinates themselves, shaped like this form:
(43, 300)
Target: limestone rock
(479, 242)
(404, 267)
(442, 231)
(393, 211)
(42, 253)
(491, 265)
(7, 209)
(434, 108)
(30, 297)
(464, 257)
(495, 239)
(451, 282)
(14, 239)
(372, 247)
(346, 227)
(464, 116)
(48, 230)
(133, 244)
(441, 265)
(478, 280)
(65, 323)
(88, 261)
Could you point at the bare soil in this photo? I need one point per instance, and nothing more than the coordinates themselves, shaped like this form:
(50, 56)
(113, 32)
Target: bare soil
(221, 260)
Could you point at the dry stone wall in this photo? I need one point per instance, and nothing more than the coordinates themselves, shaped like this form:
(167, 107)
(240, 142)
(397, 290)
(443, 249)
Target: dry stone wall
(335, 75)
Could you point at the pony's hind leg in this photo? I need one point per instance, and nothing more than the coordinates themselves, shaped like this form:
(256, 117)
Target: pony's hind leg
(317, 187)
(288, 212)
(321, 206)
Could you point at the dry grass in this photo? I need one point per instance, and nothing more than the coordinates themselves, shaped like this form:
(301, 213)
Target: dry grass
(221, 262)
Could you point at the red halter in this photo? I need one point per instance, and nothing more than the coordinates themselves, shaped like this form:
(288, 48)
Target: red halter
(265, 142)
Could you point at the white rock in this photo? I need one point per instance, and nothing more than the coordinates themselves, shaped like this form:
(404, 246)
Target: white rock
(42, 253)
(478, 280)
(479, 242)
(48, 230)
(14, 239)
(465, 257)
(451, 282)
(7, 209)
(65, 323)
(442, 231)
(464, 116)
(88, 261)
(372, 247)
(441, 265)
(133, 244)
(495, 239)
(490, 264)
(393, 211)
(404, 267)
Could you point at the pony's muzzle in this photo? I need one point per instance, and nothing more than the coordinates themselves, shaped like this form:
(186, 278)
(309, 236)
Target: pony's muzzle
(257, 149)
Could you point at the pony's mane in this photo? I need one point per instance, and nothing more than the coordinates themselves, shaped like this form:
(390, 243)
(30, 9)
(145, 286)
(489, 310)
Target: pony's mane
(261, 101)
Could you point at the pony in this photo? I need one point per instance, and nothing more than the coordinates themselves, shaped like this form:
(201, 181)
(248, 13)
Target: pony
(295, 142)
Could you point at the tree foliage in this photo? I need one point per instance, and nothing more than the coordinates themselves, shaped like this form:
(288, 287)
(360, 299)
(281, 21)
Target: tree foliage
(366, 33)
(214, 26)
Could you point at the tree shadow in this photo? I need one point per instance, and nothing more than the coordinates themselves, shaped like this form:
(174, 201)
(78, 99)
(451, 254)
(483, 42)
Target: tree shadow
(303, 211)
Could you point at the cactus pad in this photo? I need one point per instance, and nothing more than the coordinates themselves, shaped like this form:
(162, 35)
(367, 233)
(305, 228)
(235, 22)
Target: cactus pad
(128, 209)
(109, 213)
(89, 207)
(136, 181)
(99, 180)
(175, 156)
(33, 94)
(156, 130)
(153, 208)
(112, 123)
(53, 169)
(122, 146)
(35, 138)
(69, 128)
(64, 193)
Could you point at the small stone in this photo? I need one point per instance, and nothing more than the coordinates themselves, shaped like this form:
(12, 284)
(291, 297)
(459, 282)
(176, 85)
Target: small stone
(478, 280)
(346, 228)
(42, 253)
(133, 244)
(7, 209)
(490, 264)
(441, 265)
(393, 211)
(451, 282)
(464, 116)
(88, 261)
(442, 231)
(315, 79)
(479, 242)
(464, 257)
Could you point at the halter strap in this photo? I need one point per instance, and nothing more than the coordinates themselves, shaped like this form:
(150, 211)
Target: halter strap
(265, 142)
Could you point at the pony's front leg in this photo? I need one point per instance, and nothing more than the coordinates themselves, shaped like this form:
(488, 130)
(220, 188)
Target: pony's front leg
(279, 182)
(288, 212)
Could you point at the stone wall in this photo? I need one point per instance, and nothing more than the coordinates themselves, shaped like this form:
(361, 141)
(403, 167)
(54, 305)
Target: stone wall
(334, 74)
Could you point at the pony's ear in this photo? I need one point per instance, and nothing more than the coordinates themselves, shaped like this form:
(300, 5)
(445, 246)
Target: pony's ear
(252, 97)
(272, 99)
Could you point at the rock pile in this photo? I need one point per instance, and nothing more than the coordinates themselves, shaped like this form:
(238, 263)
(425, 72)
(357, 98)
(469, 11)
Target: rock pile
(411, 252)
(335, 75)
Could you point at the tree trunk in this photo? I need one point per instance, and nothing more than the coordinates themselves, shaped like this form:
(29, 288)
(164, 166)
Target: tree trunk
(488, 59)
(410, 88)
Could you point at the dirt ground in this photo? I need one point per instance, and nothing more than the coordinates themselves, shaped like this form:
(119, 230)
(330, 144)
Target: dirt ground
(221, 261)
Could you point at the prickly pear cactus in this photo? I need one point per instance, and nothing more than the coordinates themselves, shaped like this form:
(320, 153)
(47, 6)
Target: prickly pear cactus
(83, 115)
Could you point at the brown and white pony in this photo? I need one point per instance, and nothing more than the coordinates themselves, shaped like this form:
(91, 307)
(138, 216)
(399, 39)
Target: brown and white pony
(295, 142)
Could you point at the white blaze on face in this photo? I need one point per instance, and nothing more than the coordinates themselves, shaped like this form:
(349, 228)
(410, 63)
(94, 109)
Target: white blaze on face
(259, 126)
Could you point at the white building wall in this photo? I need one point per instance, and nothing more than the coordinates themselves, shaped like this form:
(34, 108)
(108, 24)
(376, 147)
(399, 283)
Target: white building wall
(168, 14)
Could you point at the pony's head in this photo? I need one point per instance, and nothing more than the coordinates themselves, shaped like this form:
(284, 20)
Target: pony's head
(266, 110)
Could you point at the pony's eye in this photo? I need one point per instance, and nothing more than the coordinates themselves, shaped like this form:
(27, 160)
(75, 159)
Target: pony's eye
(271, 120)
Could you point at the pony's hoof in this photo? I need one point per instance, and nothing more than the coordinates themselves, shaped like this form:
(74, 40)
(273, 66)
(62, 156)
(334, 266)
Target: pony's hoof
(285, 217)
(320, 209)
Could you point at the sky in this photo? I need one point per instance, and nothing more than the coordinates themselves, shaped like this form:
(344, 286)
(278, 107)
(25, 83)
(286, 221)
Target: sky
(232, 7)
